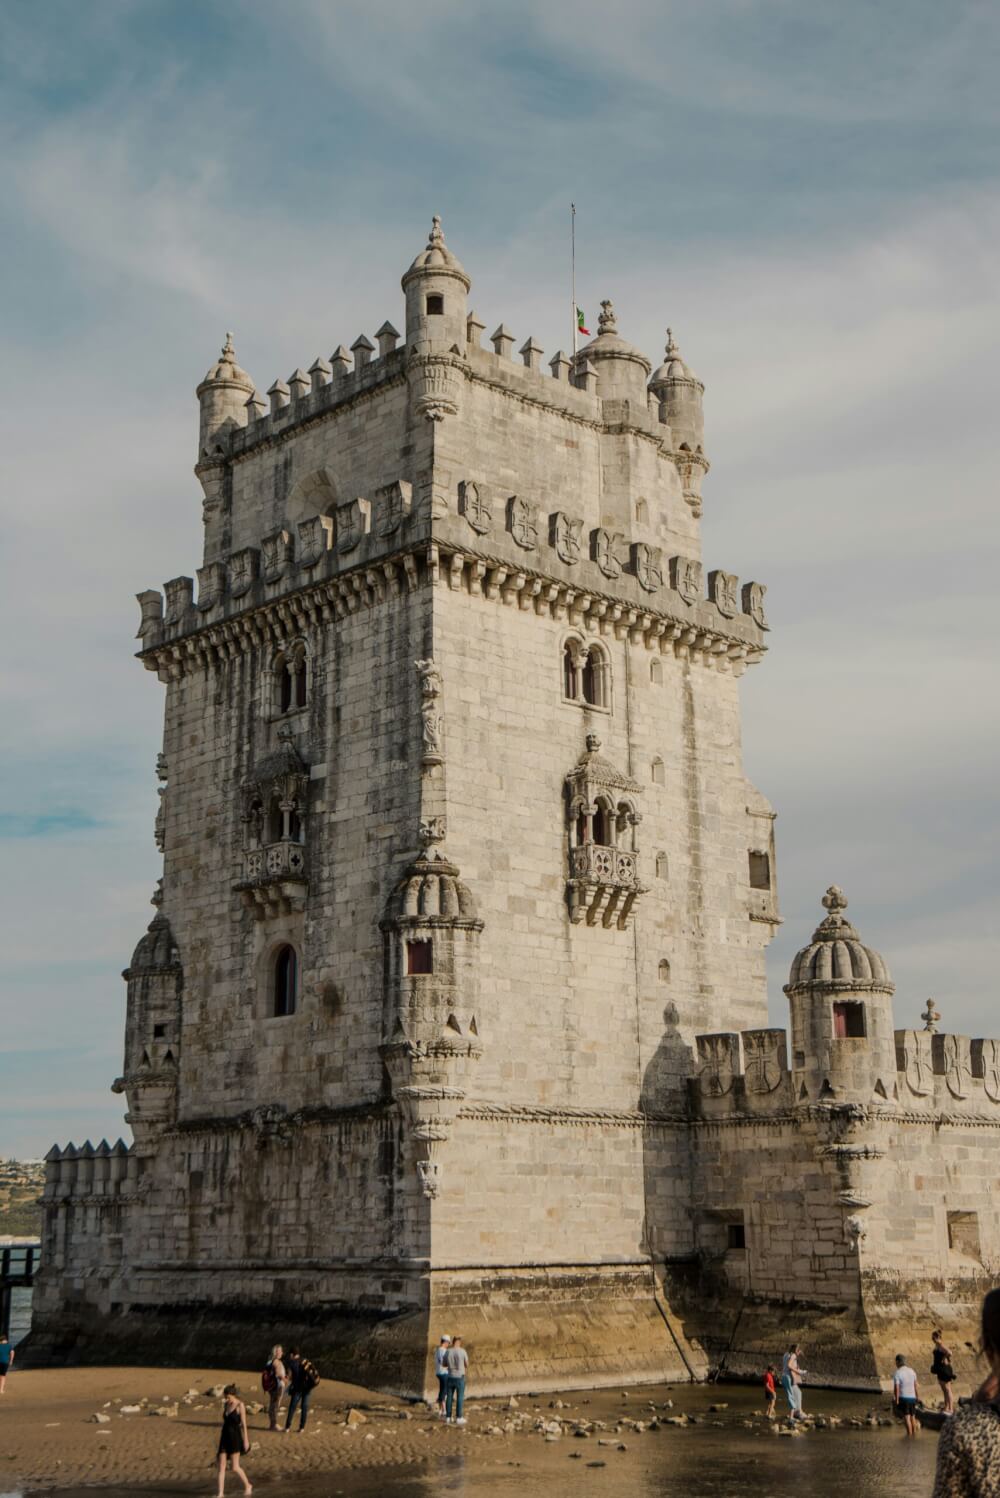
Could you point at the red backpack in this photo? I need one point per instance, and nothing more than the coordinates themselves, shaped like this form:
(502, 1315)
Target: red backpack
(269, 1379)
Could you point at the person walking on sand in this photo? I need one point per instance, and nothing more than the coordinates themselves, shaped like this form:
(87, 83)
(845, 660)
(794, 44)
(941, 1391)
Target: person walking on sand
(441, 1370)
(906, 1394)
(458, 1367)
(770, 1391)
(303, 1378)
(6, 1361)
(233, 1439)
(791, 1381)
(968, 1455)
(942, 1370)
(274, 1382)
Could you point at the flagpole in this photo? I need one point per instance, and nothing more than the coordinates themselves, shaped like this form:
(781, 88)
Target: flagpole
(572, 239)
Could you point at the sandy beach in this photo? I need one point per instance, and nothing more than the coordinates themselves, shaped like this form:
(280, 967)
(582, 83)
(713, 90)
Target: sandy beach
(50, 1438)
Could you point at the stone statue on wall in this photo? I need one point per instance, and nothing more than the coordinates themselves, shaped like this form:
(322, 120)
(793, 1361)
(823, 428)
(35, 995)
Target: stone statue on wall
(431, 691)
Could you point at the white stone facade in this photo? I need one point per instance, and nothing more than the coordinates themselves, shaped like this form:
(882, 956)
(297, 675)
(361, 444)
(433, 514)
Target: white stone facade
(454, 1002)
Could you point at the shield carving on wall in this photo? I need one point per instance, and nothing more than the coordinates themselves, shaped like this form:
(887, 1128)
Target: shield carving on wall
(917, 1068)
(763, 1059)
(957, 1065)
(987, 1053)
(719, 1058)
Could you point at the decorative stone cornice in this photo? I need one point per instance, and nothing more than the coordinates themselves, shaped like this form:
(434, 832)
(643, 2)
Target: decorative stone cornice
(270, 624)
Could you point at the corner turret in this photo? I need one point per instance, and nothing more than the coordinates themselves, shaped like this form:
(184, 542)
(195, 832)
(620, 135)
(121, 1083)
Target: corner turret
(679, 394)
(223, 396)
(437, 290)
(840, 995)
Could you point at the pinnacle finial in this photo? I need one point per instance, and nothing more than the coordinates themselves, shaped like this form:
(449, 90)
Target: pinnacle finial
(607, 322)
(834, 900)
(228, 352)
(671, 349)
(930, 1017)
(436, 236)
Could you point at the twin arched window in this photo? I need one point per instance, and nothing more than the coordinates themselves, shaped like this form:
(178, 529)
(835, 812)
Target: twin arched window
(286, 982)
(290, 678)
(586, 673)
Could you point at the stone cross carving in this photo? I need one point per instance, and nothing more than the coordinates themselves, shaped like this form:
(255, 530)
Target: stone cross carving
(431, 690)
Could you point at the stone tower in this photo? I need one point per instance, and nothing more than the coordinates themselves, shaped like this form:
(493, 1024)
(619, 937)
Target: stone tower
(458, 861)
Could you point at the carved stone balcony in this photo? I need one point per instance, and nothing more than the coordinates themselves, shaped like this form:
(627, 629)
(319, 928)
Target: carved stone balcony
(274, 879)
(603, 884)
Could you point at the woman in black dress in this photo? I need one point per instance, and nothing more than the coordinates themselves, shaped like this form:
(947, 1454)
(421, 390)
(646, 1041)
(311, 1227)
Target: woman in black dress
(943, 1372)
(233, 1439)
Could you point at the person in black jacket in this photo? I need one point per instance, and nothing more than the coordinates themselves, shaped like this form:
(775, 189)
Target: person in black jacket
(303, 1378)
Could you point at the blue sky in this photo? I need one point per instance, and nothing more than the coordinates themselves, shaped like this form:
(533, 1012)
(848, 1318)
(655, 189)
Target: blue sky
(808, 195)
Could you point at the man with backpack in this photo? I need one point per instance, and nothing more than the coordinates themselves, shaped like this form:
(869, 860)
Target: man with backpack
(303, 1378)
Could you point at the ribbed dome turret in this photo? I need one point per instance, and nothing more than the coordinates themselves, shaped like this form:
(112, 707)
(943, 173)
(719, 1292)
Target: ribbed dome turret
(836, 958)
(622, 369)
(226, 371)
(156, 952)
(431, 891)
(436, 258)
(672, 368)
(222, 397)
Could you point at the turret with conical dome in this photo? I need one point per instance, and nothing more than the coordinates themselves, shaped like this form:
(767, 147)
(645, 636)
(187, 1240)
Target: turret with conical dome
(622, 369)
(222, 395)
(680, 395)
(437, 290)
(840, 994)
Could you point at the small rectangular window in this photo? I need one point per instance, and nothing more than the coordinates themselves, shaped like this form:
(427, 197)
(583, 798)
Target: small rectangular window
(419, 958)
(963, 1234)
(736, 1235)
(848, 1020)
(435, 306)
(159, 1031)
(760, 871)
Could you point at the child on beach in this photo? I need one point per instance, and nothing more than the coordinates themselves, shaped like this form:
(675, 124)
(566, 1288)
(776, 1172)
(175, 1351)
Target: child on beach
(770, 1391)
(233, 1439)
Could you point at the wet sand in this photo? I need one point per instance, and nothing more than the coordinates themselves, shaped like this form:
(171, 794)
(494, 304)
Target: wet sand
(50, 1440)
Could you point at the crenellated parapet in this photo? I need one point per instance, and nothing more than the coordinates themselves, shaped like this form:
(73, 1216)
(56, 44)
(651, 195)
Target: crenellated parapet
(88, 1173)
(741, 1074)
(946, 1074)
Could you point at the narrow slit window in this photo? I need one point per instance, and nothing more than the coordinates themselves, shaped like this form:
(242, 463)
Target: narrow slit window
(419, 958)
(736, 1236)
(286, 973)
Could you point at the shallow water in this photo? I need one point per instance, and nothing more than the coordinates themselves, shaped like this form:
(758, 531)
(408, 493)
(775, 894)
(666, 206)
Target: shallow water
(708, 1460)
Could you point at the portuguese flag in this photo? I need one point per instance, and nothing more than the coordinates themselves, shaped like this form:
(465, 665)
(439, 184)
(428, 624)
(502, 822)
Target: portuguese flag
(579, 323)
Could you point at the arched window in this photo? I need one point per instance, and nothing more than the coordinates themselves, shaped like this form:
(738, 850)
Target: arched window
(656, 673)
(641, 512)
(294, 823)
(658, 774)
(603, 833)
(594, 682)
(661, 866)
(571, 676)
(286, 980)
(289, 674)
(664, 970)
(275, 821)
